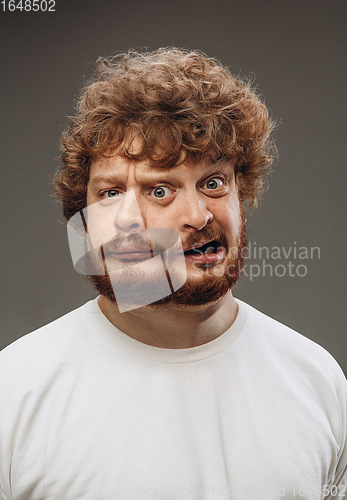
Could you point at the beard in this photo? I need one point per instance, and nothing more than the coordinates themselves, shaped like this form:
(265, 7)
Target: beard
(209, 287)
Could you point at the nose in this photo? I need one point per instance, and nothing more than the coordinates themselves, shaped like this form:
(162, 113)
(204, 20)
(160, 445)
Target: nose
(128, 217)
(195, 214)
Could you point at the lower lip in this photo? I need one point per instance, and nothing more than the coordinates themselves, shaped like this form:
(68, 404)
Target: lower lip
(206, 258)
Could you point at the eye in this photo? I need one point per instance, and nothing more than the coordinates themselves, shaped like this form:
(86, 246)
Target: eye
(111, 196)
(214, 183)
(161, 192)
(111, 193)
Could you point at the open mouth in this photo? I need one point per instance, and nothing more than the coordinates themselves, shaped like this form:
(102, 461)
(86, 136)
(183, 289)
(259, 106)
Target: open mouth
(208, 248)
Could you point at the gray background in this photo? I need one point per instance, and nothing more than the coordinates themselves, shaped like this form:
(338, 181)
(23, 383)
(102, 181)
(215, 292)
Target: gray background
(297, 52)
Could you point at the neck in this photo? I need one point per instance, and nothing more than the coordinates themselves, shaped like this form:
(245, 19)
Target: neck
(171, 326)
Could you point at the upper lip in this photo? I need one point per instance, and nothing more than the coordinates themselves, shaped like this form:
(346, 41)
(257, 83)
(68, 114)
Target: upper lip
(132, 248)
(198, 245)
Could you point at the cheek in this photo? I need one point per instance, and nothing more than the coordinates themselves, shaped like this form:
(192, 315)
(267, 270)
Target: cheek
(101, 228)
(97, 231)
(228, 216)
(157, 216)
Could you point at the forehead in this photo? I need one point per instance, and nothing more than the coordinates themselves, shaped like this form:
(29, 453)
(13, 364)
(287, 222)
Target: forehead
(116, 168)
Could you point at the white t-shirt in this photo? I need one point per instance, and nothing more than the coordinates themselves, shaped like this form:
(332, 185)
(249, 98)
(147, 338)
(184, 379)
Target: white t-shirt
(87, 412)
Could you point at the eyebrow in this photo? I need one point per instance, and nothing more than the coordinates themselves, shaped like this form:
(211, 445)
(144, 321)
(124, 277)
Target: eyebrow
(103, 179)
(116, 179)
(154, 176)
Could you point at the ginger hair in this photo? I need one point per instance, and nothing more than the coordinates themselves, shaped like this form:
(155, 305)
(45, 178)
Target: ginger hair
(182, 105)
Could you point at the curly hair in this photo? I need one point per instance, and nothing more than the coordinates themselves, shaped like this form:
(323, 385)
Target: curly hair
(181, 104)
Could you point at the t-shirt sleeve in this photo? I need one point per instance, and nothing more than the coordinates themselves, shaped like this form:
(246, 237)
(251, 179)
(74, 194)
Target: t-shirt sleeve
(337, 487)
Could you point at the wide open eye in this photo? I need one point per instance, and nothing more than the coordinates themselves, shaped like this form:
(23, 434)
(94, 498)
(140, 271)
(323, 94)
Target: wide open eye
(214, 183)
(161, 192)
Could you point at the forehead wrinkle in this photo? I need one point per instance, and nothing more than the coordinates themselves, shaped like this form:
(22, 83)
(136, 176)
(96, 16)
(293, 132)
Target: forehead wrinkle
(153, 174)
(111, 173)
(103, 179)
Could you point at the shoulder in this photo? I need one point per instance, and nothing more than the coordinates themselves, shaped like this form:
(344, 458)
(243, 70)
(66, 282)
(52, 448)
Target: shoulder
(297, 367)
(47, 346)
(291, 351)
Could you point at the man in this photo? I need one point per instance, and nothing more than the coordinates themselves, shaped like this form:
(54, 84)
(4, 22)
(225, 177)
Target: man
(166, 386)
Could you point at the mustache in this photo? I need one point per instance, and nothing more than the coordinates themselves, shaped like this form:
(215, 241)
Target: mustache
(207, 233)
(143, 242)
(138, 239)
